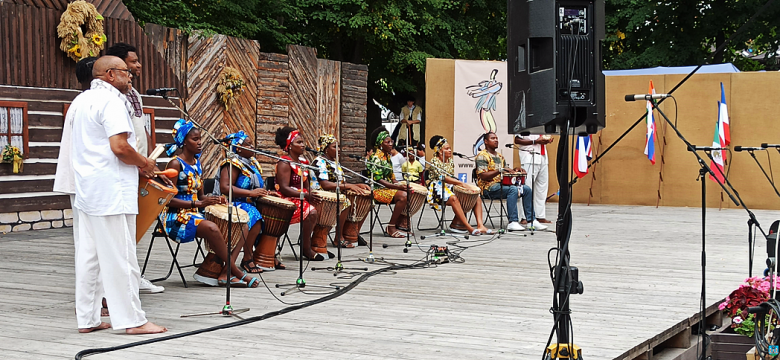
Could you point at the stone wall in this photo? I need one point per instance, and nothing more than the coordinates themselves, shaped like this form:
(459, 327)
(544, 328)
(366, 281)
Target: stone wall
(35, 220)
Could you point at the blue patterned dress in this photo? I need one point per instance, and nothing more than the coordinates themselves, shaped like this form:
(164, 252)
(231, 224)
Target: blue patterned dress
(182, 224)
(244, 181)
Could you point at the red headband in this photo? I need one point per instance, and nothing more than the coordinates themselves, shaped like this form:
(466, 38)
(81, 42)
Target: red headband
(293, 134)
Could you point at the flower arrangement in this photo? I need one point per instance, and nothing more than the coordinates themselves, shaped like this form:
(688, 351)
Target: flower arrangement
(231, 85)
(78, 43)
(753, 292)
(11, 154)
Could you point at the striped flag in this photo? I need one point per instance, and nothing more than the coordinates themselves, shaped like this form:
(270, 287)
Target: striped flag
(583, 152)
(650, 136)
(721, 139)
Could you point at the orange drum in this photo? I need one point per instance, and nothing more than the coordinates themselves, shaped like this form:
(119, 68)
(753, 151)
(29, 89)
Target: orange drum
(277, 213)
(152, 199)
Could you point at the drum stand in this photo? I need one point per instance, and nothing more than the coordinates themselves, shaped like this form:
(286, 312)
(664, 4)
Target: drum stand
(442, 230)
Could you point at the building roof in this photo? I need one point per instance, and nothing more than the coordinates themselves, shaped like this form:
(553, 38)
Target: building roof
(663, 70)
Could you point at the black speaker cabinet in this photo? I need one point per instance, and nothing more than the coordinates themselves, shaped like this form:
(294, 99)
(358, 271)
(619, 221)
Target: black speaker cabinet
(554, 65)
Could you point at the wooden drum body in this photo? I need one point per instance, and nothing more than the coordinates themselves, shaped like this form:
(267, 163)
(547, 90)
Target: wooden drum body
(417, 198)
(277, 213)
(152, 199)
(361, 205)
(467, 195)
(218, 214)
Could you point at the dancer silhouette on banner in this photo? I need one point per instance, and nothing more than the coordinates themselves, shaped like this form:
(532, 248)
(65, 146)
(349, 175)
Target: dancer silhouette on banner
(486, 92)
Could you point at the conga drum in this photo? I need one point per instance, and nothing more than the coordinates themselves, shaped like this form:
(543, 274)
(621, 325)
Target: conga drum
(361, 204)
(467, 195)
(152, 199)
(510, 179)
(277, 213)
(327, 218)
(218, 214)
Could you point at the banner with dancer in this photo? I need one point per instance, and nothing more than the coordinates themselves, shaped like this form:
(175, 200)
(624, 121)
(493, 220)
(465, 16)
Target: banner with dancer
(480, 106)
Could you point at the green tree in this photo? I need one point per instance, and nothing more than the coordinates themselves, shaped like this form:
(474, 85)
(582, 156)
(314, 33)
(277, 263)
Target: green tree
(644, 33)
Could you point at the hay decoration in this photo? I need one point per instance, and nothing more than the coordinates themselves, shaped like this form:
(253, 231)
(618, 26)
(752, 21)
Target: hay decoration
(81, 30)
(231, 85)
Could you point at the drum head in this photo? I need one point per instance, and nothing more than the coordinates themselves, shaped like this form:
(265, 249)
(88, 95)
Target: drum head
(276, 201)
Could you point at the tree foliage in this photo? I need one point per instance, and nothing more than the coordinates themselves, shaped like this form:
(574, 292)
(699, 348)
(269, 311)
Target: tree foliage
(643, 33)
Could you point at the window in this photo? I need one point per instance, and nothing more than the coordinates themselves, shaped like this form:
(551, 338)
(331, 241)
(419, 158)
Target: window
(150, 128)
(13, 125)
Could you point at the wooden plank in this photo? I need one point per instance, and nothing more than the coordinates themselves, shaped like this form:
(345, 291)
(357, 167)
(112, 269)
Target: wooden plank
(44, 152)
(36, 203)
(29, 169)
(44, 135)
(28, 186)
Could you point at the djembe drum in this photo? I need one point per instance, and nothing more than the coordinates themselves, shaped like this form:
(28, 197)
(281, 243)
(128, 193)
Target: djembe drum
(152, 199)
(327, 218)
(361, 204)
(467, 195)
(218, 214)
(277, 213)
(417, 198)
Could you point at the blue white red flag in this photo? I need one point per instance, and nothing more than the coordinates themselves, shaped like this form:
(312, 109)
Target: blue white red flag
(583, 152)
(650, 135)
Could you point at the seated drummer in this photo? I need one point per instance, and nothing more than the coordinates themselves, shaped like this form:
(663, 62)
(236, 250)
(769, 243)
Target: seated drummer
(183, 222)
(328, 176)
(247, 186)
(387, 190)
(291, 181)
(442, 159)
(489, 165)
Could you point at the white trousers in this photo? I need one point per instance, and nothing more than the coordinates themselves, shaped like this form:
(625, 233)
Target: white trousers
(105, 253)
(538, 179)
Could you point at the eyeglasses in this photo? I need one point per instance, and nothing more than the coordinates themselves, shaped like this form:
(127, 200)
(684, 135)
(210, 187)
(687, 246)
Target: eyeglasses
(125, 70)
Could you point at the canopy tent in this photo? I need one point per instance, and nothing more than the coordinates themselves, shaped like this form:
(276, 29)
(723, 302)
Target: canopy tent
(663, 70)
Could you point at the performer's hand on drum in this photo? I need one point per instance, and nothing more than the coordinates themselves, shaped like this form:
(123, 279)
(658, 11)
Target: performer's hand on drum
(211, 200)
(256, 193)
(148, 169)
(313, 199)
(164, 178)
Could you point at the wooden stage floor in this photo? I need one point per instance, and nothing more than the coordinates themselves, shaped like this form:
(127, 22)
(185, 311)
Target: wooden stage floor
(640, 267)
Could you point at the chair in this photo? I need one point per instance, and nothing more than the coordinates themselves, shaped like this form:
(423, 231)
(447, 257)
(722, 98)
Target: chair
(159, 232)
(488, 205)
(426, 175)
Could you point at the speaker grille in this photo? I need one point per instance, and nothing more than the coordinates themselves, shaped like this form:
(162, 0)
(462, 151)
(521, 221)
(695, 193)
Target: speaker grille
(576, 50)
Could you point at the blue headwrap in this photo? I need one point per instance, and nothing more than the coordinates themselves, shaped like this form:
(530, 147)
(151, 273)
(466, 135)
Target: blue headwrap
(237, 139)
(180, 131)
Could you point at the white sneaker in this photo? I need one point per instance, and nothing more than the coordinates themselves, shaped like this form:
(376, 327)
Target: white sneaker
(537, 226)
(515, 226)
(146, 287)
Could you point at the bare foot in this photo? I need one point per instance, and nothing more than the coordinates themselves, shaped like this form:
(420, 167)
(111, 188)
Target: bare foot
(148, 328)
(544, 221)
(483, 230)
(102, 326)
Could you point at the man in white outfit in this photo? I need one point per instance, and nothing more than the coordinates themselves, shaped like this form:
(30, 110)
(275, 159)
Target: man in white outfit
(106, 166)
(533, 156)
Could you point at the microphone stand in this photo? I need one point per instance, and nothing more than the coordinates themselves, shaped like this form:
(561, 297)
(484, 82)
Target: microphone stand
(442, 184)
(703, 171)
(408, 243)
(227, 309)
(763, 171)
(339, 267)
(371, 183)
(300, 283)
(751, 220)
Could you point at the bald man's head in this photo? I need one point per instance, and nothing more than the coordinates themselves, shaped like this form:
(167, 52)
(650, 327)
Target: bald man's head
(113, 70)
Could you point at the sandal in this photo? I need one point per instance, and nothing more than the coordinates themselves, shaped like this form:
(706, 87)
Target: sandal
(361, 241)
(253, 283)
(396, 234)
(476, 232)
(317, 257)
(343, 244)
(232, 283)
(104, 309)
(278, 263)
(253, 269)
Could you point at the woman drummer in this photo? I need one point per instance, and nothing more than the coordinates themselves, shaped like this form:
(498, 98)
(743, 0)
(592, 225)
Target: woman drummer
(442, 165)
(381, 170)
(329, 177)
(183, 222)
(291, 181)
(248, 185)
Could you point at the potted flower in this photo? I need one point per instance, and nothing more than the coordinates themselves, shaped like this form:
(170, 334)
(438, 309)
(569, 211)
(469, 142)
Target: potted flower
(753, 292)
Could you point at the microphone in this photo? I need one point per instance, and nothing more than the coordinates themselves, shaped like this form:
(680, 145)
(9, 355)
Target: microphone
(705, 148)
(510, 145)
(459, 155)
(765, 145)
(225, 140)
(312, 150)
(740, 148)
(357, 157)
(159, 91)
(636, 97)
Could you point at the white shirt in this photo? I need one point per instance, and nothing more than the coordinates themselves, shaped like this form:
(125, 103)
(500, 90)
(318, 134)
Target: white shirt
(397, 161)
(64, 178)
(532, 154)
(104, 184)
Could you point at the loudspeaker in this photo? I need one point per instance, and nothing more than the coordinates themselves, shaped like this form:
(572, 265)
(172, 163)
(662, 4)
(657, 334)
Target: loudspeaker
(554, 65)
